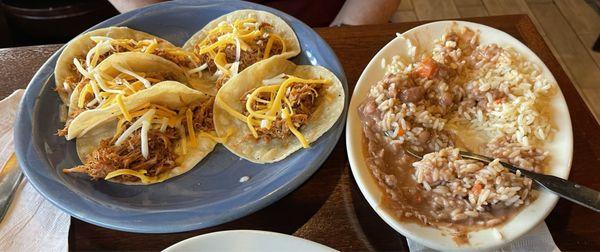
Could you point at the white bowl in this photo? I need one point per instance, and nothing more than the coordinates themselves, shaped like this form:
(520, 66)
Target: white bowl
(561, 147)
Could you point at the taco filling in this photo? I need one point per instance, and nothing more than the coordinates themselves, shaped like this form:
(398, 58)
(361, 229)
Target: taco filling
(233, 46)
(103, 47)
(280, 110)
(148, 143)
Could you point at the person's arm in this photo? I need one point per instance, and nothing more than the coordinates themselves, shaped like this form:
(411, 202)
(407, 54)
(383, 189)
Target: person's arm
(361, 12)
(129, 5)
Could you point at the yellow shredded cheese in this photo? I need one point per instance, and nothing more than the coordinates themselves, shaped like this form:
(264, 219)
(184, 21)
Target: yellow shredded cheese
(190, 126)
(124, 111)
(83, 94)
(141, 174)
(165, 109)
(120, 128)
(150, 48)
(289, 124)
(183, 140)
(215, 138)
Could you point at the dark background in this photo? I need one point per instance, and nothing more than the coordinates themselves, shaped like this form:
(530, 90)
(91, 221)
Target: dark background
(36, 22)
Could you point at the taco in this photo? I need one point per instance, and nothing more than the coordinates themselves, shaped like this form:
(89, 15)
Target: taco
(235, 41)
(117, 77)
(275, 107)
(156, 134)
(86, 51)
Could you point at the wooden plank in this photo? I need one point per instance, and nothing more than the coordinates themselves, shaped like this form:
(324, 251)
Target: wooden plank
(472, 11)
(539, 1)
(404, 16)
(584, 21)
(592, 98)
(577, 60)
(588, 40)
(460, 3)
(507, 7)
(405, 5)
(435, 9)
(582, 17)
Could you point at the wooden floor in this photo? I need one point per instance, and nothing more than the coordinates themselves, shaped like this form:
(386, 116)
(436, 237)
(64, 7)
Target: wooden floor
(570, 28)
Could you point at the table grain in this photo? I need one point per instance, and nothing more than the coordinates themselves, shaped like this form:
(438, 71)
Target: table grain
(329, 208)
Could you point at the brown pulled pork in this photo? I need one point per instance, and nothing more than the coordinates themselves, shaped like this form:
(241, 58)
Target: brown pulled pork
(203, 116)
(108, 157)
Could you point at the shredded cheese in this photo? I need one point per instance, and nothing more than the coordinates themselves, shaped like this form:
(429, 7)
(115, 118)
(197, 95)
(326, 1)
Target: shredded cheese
(164, 124)
(215, 138)
(124, 111)
(136, 125)
(198, 69)
(289, 124)
(119, 128)
(102, 84)
(234, 68)
(83, 95)
(239, 33)
(272, 38)
(141, 174)
(150, 48)
(80, 68)
(131, 73)
(183, 140)
(190, 126)
(144, 136)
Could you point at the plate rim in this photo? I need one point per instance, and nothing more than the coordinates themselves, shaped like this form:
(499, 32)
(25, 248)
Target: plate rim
(46, 72)
(404, 227)
(174, 247)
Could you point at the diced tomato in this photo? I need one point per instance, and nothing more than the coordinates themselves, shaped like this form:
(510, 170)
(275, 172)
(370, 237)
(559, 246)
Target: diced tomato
(476, 189)
(426, 68)
(400, 132)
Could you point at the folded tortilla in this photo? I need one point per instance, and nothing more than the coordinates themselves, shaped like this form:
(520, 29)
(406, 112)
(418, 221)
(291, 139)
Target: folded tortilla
(231, 111)
(92, 48)
(94, 126)
(235, 41)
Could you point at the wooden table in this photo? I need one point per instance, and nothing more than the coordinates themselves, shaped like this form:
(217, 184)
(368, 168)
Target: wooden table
(329, 208)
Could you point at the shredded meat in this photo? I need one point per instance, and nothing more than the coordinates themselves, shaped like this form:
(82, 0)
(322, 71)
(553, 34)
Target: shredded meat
(203, 116)
(302, 97)
(180, 60)
(108, 157)
(247, 57)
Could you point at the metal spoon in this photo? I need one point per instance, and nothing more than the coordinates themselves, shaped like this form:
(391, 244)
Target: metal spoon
(579, 194)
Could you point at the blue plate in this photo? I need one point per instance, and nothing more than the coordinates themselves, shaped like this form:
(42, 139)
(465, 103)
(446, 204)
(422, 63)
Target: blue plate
(209, 194)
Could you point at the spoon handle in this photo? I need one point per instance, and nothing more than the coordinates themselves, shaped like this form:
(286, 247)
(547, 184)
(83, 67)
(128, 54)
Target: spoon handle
(569, 190)
(574, 192)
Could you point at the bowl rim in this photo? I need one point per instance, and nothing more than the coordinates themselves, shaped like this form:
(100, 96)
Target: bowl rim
(354, 147)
